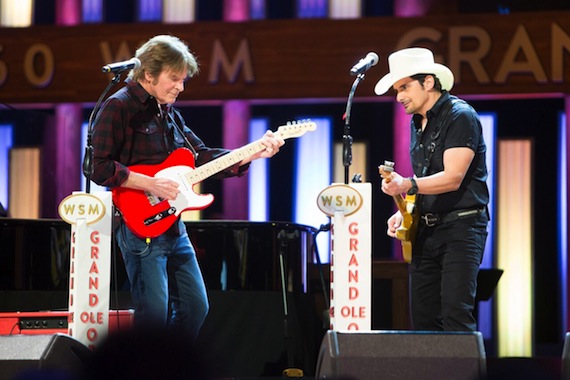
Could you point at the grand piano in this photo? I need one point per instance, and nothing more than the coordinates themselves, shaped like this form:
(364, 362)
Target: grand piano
(233, 255)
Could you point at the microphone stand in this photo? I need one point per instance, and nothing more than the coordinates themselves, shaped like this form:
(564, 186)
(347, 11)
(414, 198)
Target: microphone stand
(284, 237)
(346, 137)
(88, 172)
(88, 156)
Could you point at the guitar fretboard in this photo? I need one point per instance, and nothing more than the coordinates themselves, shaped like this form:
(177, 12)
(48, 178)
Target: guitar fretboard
(215, 166)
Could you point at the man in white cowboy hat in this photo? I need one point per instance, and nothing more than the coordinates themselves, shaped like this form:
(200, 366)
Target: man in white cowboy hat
(448, 159)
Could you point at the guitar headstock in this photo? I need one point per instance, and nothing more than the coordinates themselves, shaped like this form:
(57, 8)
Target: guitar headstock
(386, 170)
(296, 128)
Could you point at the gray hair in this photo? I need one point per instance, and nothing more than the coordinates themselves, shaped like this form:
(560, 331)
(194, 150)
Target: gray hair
(164, 52)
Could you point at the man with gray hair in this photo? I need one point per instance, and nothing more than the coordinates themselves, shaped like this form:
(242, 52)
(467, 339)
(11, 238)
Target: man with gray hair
(137, 128)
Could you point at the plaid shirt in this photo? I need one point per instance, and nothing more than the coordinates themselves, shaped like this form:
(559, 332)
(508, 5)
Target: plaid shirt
(130, 130)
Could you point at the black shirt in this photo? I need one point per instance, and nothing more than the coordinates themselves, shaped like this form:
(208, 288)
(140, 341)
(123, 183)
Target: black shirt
(452, 123)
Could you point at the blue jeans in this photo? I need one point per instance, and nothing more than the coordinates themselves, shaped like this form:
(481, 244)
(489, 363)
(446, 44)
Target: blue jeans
(444, 269)
(167, 286)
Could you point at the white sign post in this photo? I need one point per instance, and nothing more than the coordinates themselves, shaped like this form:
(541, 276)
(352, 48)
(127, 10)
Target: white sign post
(90, 216)
(349, 206)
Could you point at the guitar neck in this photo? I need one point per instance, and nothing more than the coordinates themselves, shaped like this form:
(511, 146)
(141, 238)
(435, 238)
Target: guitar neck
(400, 202)
(221, 163)
(385, 171)
(237, 155)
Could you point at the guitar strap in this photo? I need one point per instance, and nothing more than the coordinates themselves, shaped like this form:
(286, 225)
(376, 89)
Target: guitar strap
(179, 130)
(177, 122)
(435, 134)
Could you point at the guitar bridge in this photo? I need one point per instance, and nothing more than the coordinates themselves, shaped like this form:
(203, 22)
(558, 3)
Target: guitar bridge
(160, 216)
(153, 199)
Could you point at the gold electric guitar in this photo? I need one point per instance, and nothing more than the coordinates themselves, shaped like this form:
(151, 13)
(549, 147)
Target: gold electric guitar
(406, 233)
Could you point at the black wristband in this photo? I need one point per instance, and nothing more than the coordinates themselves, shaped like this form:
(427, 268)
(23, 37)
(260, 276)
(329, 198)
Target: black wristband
(414, 189)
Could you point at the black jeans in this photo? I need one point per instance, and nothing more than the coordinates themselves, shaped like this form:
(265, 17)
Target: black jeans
(443, 273)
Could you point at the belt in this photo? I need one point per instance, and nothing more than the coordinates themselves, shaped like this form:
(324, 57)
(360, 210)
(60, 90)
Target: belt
(431, 219)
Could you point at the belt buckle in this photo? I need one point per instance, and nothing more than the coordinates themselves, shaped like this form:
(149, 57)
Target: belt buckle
(429, 219)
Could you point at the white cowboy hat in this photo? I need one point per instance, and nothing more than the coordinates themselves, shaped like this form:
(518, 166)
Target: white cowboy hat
(407, 62)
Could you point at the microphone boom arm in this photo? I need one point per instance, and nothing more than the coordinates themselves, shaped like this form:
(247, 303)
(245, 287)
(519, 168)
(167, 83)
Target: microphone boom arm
(346, 137)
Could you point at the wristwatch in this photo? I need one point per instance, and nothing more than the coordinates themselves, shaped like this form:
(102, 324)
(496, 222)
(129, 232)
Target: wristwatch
(414, 189)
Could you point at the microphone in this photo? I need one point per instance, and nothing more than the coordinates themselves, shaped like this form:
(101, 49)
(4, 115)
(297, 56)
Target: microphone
(364, 64)
(119, 67)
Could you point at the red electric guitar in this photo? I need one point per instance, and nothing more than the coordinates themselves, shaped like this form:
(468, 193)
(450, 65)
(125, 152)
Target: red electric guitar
(149, 216)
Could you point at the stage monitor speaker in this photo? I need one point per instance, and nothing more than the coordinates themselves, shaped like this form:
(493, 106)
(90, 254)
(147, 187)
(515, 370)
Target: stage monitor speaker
(58, 352)
(401, 355)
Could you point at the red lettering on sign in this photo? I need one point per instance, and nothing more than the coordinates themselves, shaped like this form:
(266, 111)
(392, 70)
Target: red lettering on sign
(92, 334)
(353, 228)
(95, 237)
(93, 299)
(92, 318)
(353, 293)
(353, 311)
(353, 260)
(94, 283)
(353, 244)
(94, 268)
(95, 253)
(352, 276)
